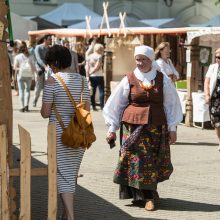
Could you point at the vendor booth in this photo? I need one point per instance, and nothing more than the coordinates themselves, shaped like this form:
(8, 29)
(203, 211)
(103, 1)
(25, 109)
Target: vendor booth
(192, 52)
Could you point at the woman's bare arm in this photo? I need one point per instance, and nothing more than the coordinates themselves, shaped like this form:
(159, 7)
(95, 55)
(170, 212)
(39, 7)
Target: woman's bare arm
(207, 89)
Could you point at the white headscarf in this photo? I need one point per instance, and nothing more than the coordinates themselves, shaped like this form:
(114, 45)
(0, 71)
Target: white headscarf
(148, 52)
(144, 50)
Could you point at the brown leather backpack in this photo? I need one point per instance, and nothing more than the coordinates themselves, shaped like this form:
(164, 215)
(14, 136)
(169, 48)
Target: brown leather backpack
(80, 131)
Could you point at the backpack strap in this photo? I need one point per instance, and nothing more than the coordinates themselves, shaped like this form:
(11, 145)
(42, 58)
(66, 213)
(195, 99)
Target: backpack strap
(58, 116)
(67, 90)
(70, 97)
(81, 100)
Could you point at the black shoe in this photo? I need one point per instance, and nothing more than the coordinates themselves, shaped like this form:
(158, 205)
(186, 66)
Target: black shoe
(26, 109)
(138, 203)
(21, 110)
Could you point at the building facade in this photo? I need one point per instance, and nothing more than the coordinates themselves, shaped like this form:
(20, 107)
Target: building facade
(187, 11)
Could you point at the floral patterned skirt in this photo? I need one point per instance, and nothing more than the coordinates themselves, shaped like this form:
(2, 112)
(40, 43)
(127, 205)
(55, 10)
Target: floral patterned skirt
(215, 111)
(147, 162)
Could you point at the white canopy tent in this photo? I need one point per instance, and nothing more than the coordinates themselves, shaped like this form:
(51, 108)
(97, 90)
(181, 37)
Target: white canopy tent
(214, 22)
(21, 26)
(68, 14)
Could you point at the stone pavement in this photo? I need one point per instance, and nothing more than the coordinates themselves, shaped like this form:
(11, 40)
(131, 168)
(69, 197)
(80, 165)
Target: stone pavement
(193, 191)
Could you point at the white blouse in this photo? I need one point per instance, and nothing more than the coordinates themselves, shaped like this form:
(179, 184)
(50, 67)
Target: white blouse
(212, 73)
(118, 100)
(167, 67)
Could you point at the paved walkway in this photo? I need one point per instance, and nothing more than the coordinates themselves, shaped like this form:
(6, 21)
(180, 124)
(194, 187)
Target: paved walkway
(193, 192)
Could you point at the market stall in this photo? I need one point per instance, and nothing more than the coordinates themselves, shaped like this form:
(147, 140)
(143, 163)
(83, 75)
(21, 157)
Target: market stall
(191, 55)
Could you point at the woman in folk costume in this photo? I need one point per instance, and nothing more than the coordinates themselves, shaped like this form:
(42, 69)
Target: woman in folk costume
(146, 108)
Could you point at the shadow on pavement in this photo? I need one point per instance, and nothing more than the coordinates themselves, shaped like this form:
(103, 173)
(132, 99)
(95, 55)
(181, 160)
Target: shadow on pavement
(183, 205)
(30, 111)
(92, 207)
(88, 206)
(196, 143)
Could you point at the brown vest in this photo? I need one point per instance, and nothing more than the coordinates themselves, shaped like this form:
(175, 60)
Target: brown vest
(145, 107)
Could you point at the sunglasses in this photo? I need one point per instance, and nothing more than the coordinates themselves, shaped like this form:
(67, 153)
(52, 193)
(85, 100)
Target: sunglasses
(217, 58)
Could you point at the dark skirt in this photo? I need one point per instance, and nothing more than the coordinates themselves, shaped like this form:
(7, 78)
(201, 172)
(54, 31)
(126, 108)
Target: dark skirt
(214, 110)
(145, 163)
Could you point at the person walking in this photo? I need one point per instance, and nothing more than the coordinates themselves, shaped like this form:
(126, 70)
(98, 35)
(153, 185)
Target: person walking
(146, 108)
(13, 51)
(162, 56)
(40, 52)
(80, 50)
(94, 74)
(24, 66)
(212, 93)
(68, 159)
(74, 64)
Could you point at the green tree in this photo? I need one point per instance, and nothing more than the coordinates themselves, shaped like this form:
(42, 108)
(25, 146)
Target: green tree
(217, 2)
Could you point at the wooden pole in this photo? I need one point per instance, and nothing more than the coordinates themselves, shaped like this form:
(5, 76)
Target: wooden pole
(52, 172)
(25, 178)
(4, 212)
(192, 75)
(107, 72)
(5, 93)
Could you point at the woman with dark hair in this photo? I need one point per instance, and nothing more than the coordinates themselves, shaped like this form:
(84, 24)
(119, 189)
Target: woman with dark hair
(68, 159)
(24, 65)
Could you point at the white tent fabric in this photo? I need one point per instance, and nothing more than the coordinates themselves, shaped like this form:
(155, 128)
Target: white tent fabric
(21, 26)
(114, 22)
(214, 22)
(68, 13)
(156, 22)
(164, 23)
(94, 23)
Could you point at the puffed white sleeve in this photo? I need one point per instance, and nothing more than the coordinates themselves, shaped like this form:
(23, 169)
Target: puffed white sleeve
(172, 106)
(115, 105)
(159, 63)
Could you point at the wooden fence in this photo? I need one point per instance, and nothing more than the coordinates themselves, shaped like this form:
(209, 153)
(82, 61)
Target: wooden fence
(25, 172)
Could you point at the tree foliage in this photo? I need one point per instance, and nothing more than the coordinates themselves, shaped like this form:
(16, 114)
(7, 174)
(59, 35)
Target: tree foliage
(217, 2)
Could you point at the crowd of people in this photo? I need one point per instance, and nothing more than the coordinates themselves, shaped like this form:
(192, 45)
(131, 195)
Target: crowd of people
(28, 67)
(145, 107)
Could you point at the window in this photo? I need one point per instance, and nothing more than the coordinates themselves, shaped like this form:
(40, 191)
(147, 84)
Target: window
(42, 0)
(45, 1)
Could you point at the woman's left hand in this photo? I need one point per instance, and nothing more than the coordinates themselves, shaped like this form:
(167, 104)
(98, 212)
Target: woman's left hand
(174, 78)
(172, 137)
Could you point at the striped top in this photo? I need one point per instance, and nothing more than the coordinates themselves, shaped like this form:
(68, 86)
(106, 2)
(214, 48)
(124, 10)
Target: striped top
(68, 159)
(55, 93)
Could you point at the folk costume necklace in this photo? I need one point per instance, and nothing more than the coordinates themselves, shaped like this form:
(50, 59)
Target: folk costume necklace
(146, 85)
(146, 80)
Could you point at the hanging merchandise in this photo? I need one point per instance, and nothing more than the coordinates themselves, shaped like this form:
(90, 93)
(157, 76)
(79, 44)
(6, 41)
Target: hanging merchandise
(205, 55)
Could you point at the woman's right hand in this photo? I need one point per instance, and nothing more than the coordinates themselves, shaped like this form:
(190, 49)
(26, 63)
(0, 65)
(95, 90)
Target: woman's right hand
(207, 99)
